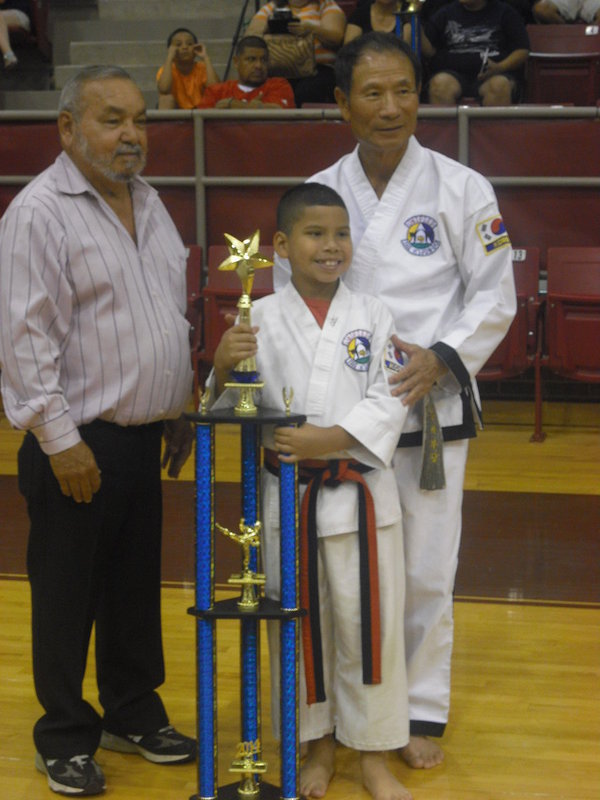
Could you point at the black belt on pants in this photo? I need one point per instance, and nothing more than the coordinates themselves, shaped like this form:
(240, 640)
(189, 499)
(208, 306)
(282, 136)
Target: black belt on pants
(333, 473)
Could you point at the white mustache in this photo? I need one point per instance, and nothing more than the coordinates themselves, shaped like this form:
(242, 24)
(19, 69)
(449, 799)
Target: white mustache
(129, 151)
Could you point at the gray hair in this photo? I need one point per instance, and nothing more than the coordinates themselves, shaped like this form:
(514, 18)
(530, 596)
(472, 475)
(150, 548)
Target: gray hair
(70, 97)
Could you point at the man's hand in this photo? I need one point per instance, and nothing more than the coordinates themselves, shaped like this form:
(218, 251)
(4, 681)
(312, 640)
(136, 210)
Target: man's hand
(424, 368)
(77, 473)
(179, 436)
(491, 68)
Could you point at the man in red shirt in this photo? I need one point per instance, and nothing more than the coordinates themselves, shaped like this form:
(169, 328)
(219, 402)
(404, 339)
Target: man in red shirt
(253, 88)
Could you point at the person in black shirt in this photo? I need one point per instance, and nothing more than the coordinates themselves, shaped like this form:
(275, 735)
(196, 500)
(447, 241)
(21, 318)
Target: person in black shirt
(477, 49)
(13, 14)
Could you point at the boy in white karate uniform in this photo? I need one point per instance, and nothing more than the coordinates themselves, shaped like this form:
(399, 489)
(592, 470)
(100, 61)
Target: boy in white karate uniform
(333, 347)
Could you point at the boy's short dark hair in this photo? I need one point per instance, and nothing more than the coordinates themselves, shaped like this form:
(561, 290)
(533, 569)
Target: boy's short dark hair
(295, 200)
(181, 30)
(250, 41)
(348, 57)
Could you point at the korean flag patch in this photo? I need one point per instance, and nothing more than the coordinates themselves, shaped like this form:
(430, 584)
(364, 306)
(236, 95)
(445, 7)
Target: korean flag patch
(492, 234)
(393, 360)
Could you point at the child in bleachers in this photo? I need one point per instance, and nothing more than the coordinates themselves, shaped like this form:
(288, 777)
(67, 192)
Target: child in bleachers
(187, 71)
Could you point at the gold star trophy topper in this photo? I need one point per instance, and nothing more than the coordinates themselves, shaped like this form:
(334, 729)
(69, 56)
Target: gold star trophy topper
(245, 258)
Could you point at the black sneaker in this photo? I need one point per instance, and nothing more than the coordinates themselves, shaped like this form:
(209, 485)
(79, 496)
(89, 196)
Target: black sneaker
(77, 775)
(166, 746)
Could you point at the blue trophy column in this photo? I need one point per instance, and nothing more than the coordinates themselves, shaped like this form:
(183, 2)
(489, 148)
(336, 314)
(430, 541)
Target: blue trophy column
(207, 717)
(250, 673)
(288, 506)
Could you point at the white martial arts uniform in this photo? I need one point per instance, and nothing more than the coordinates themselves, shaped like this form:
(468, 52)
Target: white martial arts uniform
(434, 249)
(337, 378)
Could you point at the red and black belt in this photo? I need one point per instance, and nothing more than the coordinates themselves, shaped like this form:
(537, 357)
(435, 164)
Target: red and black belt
(332, 474)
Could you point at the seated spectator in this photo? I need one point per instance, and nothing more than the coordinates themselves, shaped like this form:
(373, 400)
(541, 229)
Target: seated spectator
(13, 14)
(478, 48)
(376, 15)
(253, 88)
(326, 20)
(559, 12)
(429, 7)
(187, 71)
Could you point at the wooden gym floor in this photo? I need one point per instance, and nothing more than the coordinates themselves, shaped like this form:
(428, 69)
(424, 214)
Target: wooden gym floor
(525, 720)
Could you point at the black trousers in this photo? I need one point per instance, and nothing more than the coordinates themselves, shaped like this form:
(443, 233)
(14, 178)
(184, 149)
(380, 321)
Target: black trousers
(96, 563)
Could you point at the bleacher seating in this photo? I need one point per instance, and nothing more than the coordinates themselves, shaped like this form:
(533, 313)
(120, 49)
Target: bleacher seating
(520, 348)
(573, 313)
(563, 64)
(516, 353)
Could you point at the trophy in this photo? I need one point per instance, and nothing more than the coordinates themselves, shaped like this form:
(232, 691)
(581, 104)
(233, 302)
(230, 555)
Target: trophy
(409, 11)
(244, 258)
(250, 608)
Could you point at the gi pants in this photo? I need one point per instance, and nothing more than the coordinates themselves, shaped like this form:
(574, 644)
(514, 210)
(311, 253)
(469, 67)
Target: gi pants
(96, 563)
(364, 717)
(432, 523)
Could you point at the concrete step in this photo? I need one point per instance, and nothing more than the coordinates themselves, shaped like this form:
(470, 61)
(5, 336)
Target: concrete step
(211, 27)
(137, 52)
(47, 100)
(155, 9)
(143, 74)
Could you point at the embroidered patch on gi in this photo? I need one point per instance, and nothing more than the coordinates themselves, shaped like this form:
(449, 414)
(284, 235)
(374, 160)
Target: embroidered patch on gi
(492, 234)
(420, 235)
(358, 347)
(393, 359)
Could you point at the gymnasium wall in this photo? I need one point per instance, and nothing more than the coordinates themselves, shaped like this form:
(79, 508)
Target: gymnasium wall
(222, 171)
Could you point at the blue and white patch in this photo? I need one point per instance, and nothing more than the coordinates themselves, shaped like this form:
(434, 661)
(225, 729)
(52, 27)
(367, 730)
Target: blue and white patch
(358, 348)
(393, 360)
(420, 235)
(492, 234)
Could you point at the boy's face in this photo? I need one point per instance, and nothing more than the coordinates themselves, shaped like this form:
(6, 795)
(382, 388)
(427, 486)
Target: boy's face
(184, 46)
(319, 249)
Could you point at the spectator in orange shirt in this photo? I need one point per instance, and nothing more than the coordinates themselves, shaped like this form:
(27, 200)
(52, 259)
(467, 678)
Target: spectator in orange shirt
(187, 71)
(253, 88)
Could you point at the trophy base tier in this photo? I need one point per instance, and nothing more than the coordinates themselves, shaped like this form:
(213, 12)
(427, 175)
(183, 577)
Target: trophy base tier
(230, 792)
(229, 609)
(263, 416)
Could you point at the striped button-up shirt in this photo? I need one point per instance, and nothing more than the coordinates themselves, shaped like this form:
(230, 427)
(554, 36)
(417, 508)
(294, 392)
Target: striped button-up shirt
(92, 324)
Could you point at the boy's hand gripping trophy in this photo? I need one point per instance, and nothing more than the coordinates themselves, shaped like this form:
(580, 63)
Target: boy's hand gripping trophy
(244, 258)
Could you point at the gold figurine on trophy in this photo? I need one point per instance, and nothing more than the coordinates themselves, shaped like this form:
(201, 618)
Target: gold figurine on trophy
(249, 536)
(248, 766)
(244, 258)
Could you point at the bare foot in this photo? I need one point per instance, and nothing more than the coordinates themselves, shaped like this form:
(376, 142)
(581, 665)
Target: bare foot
(318, 768)
(378, 780)
(421, 753)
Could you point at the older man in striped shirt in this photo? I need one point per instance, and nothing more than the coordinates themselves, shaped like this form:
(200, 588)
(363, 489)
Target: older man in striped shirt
(95, 367)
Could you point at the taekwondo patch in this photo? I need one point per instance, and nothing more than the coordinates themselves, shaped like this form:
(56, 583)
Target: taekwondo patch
(420, 235)
(393, 359)
(492, 234)
(358, 347)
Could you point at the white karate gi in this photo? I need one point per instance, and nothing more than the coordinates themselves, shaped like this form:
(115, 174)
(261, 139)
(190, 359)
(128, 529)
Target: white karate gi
(337, 382)
(434, 249)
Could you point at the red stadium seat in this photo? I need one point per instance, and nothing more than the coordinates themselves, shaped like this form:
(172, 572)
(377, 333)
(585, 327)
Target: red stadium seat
(573, 313)
(519, 350)
(221, 293)
(516, 352)
(563, 64)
